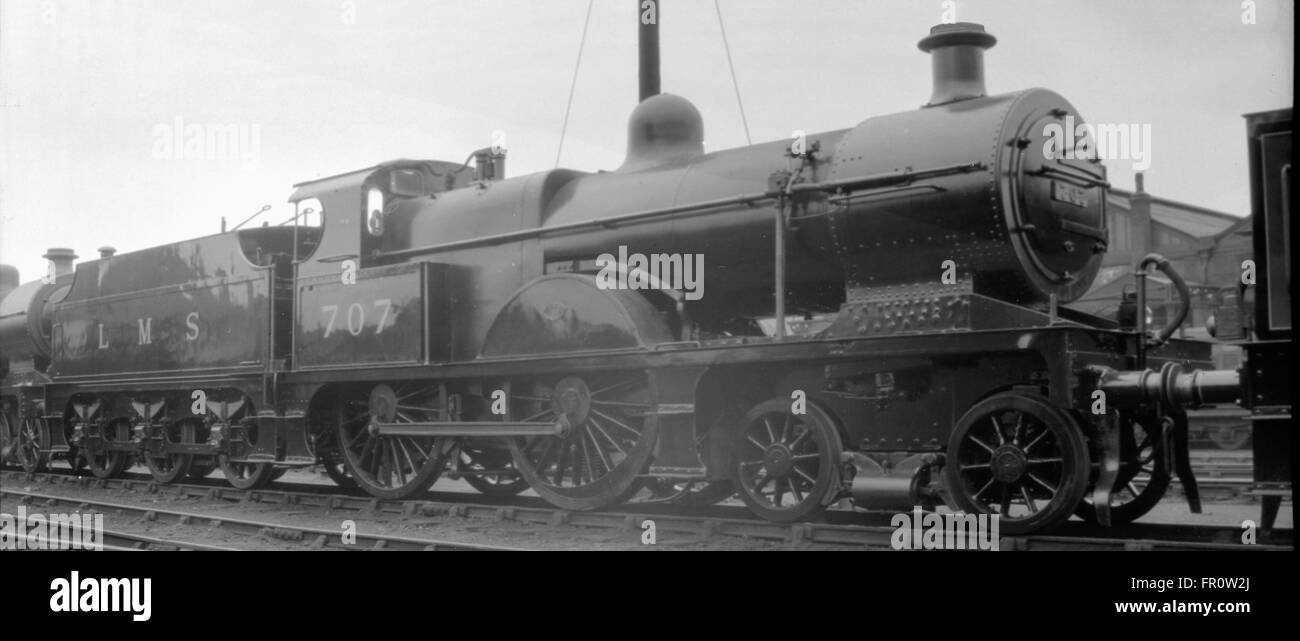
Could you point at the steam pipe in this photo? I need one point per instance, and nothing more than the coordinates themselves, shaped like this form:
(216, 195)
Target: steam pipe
(1184, 295)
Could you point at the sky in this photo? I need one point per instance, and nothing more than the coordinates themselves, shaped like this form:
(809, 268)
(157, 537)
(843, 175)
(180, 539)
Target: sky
(95, 94)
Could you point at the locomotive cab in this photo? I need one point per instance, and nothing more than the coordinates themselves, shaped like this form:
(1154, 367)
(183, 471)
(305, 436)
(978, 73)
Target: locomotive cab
(356, 209)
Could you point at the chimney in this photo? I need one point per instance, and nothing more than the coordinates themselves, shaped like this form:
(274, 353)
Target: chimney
(957, 57)
(61, 258)
(107, 252)
(1139, 222)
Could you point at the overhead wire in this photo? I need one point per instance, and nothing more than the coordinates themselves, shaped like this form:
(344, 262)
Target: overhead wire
(582, 41)
(732, 67)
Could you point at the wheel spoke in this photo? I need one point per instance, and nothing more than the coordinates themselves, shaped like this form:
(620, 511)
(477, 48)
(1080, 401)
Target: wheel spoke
(616, 422)
(586, 455)
(604, 458)
(997, 429)
(771, 434)
(1029, 500)
(424, 456)
(368, 449)
(617, 385)
(627, 404)
(1038, 438)
(560, 464)
(397, 464)
(401, 443)
(1043, 483)
(805, 476)
(609, 438)
(980, 443)
(799, 439)
(577, 463)
(546, 454)
(1043, 461)
(984, 489)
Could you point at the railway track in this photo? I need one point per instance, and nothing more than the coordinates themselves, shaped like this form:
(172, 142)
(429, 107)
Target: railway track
(123, 541)
(291, 536)
(841, 528)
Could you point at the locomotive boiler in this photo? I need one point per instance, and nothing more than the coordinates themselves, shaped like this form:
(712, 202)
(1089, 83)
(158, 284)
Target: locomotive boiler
(880, 314)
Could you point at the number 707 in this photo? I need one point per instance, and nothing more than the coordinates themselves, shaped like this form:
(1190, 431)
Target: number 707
(356, 316)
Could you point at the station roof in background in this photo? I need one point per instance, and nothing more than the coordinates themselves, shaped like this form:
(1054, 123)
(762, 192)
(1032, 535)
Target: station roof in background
(1194, 221)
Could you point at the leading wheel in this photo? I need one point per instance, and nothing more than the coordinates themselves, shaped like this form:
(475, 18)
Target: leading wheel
(1142, 480)
(785, 463)
(387, 466)
(106, 463)
(608, 433)
(491, 470)
(33, 444)
(1017, 456)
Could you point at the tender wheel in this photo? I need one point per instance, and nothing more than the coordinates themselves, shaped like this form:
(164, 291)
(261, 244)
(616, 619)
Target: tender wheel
(1141, 483)
(501, 477)
(607, 442)
(246, 476)
(785, 467)
(33, 443)
(8, 437)
(391, 467)
(1017, 456)
(109, 464)
(202, 467)
(171, 467)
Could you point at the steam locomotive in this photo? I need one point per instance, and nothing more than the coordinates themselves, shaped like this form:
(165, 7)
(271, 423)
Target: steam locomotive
(885, 319)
